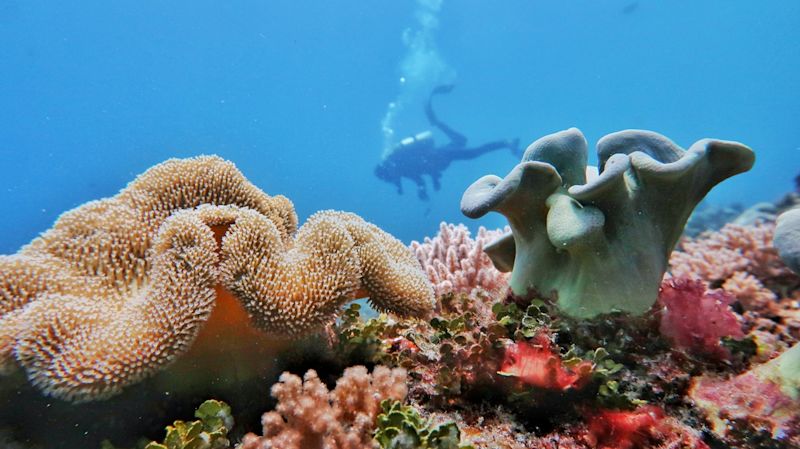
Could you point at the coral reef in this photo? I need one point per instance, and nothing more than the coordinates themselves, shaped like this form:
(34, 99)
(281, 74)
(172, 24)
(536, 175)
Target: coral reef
(121, 287)
(717, 256)
(309, 416)
(576, 237)
(787, 238)
(456, 263)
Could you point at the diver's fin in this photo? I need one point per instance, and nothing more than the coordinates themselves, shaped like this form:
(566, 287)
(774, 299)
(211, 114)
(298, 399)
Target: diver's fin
(513, 145)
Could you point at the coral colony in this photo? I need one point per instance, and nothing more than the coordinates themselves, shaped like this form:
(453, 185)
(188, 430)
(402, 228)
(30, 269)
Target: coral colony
(610, 331)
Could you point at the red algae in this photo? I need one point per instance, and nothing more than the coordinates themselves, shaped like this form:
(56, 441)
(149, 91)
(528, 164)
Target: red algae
(620, 429)
(695, 319)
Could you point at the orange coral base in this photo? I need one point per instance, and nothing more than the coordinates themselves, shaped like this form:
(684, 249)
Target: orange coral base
(228, 348)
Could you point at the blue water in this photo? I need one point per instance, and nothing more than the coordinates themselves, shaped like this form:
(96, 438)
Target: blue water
(93, 93)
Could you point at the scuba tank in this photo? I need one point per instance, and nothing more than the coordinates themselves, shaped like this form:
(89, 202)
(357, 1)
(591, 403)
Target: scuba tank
(420, 141)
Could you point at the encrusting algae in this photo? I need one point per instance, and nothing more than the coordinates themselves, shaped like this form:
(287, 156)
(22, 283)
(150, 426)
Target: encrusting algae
(121, 287)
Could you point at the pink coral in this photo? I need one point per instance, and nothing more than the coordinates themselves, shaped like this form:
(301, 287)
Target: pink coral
(695, 319)
(740, 259)
(455, 262)
(309, 416)
(750, 292)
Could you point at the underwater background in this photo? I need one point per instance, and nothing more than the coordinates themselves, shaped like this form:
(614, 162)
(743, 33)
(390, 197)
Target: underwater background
(574, 336)
(297, 94)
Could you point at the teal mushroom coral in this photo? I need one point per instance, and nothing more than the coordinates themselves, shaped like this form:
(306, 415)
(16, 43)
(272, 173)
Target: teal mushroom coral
(599, 240)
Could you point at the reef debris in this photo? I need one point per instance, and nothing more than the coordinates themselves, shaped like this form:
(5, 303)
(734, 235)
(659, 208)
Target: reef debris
(576, 231)
(119, 288)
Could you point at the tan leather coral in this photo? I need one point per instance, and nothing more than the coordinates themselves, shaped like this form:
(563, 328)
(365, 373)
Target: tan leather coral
(120, 287)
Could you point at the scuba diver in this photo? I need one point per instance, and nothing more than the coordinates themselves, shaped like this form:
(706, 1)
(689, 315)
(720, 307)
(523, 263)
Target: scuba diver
(416, 156)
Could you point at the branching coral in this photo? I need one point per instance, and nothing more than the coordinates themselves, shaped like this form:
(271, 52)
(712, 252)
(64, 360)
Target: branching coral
(120, 287)
(740, 259)
(580, 236)
(309, 416)
(456, 263)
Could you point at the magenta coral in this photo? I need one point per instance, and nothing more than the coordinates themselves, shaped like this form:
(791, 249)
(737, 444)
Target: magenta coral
(455, 262)
(695, 319)
(309, 416)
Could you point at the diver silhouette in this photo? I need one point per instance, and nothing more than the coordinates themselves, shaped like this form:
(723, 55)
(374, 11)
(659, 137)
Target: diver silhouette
(416, 156)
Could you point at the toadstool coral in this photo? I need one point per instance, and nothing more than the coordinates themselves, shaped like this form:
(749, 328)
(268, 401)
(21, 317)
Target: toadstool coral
(599, 239)
(121, 287)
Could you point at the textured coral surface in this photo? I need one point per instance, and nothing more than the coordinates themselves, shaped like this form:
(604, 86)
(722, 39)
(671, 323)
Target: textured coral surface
(121, 287)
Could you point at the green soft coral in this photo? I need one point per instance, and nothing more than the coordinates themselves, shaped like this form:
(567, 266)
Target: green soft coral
(599, 241)
(210, 431)
(401, 427)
